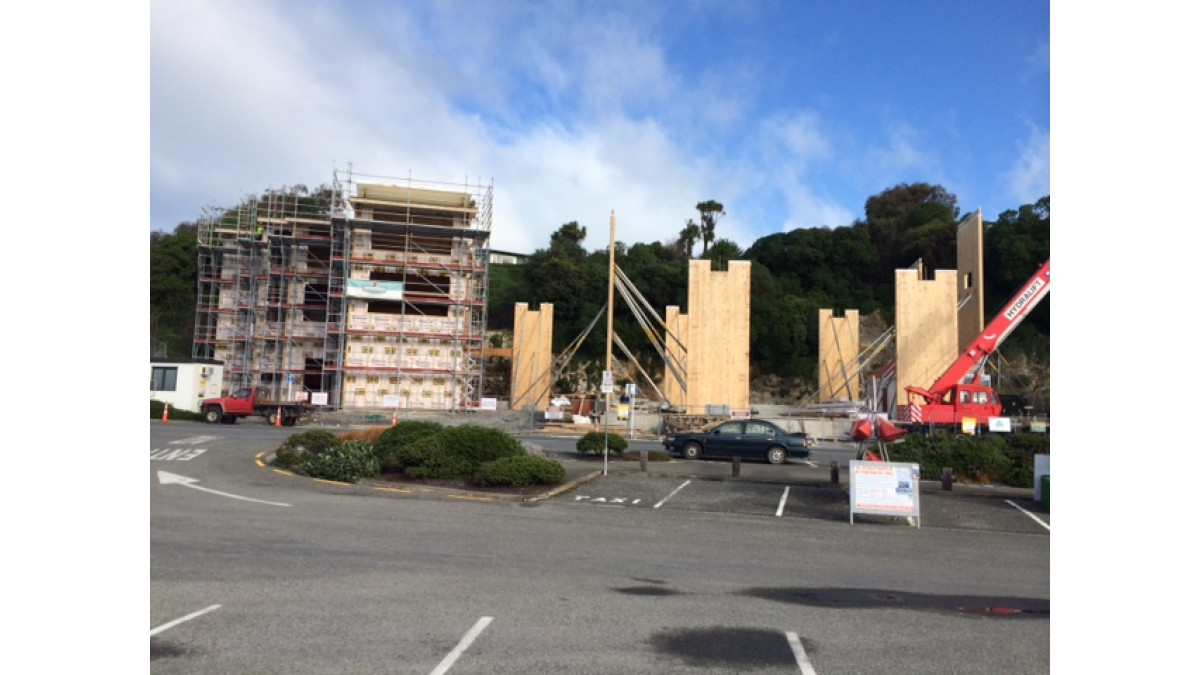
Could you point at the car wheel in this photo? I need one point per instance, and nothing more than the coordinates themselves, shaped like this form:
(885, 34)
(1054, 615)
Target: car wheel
(776, 455)
(212, 415)
(691, 451)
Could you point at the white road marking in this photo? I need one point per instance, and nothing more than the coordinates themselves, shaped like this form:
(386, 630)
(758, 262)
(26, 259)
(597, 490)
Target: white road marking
(194, 440)
(664, 499)
(181, 619)
(180, 454)
(782, 501)
(444, 666)
(1037, 520)
(810, 463)
(801, 657)
(170, 478)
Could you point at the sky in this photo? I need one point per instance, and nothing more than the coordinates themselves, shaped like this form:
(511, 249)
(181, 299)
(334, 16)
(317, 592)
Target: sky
(790, 114)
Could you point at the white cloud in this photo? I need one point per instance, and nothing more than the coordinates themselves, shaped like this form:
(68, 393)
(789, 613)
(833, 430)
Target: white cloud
(1029, 178)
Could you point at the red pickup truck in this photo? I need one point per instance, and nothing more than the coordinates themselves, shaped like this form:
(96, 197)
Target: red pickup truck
(246, 402)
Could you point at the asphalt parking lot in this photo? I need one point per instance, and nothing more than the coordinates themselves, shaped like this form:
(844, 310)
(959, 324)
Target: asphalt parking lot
(794, 490)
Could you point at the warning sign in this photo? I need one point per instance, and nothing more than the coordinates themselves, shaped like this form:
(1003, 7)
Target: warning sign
(886, 489)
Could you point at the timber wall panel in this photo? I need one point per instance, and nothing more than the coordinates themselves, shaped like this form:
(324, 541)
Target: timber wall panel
(672, 388)
(838, 347)
(926, 327)
(718, 343)
(533, 332)
(970, 279)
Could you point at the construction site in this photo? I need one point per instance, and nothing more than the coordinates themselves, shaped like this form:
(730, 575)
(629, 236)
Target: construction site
(371, 295)
(368, 294)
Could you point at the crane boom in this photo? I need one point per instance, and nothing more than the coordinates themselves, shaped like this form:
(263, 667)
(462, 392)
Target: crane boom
(1019, 307)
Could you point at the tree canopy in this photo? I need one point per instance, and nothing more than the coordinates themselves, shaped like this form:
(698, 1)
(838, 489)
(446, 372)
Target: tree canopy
(793, 274)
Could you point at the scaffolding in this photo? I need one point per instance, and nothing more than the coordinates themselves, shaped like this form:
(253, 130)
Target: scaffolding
(372, 292)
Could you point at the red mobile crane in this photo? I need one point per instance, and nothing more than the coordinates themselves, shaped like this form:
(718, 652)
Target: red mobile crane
(957, 394)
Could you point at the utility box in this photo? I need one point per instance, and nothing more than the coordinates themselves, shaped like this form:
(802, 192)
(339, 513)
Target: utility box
(1046, 492)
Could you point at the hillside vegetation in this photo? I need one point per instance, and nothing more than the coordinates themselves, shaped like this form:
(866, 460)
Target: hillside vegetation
(793, 274)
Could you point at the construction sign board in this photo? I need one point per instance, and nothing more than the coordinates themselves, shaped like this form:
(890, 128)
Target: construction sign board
(885, 489)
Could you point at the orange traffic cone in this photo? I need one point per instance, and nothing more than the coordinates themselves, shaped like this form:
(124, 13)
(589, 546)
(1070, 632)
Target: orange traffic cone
(166, 417)
(279, 416)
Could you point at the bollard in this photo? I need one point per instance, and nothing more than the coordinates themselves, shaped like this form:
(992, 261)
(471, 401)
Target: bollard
(947, 479)
(643, 455)
(833, 474)
(737, 466)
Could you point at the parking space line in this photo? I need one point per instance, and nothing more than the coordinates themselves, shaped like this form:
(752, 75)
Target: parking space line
(664, 499)
(1037, 520)
(782, 501)
(465, 642)
(176, 622)
(801, 657)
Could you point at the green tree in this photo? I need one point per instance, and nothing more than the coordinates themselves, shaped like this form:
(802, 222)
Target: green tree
(710, 212)
(173, 291)
(1015, 246)
(893, 213)
(721, 252)
(688, 236)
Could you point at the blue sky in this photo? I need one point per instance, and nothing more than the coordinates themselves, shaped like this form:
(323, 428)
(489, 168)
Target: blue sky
(791, 114)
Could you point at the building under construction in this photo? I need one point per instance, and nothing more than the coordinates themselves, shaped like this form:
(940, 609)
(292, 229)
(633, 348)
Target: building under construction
(371, 293)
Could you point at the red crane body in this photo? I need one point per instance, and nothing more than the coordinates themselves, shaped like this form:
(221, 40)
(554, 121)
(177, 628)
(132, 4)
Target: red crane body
(950, 399)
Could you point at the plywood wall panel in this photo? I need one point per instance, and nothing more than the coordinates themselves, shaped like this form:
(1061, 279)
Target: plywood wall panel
(532, 357)
(838, 347)
(926, 327)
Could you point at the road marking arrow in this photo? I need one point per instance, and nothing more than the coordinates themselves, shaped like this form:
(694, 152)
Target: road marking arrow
(170, 478)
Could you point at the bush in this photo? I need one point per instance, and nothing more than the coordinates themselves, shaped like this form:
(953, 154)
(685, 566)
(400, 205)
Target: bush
(519, 470)
(348, 463)
(458, 452)
(299, 448)
(991, 458)
(392, 446)
(593, 442)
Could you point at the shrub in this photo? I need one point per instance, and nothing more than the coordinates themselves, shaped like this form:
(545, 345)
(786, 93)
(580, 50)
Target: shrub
(458, 452)
(348, 463)
(298, 448)
(990, 458)
(593, 442)
(519, 470)
(392, 446)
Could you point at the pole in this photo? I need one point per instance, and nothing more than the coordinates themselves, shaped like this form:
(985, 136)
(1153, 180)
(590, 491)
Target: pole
(606, 435)
(632, 405)
(612, 257)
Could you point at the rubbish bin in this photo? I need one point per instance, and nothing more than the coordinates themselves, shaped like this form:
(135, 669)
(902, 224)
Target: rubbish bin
(1046, 492)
